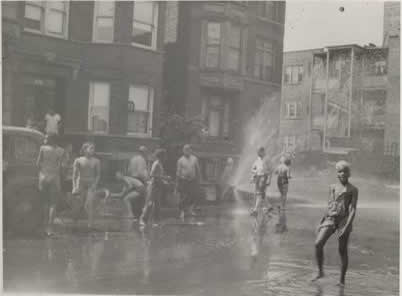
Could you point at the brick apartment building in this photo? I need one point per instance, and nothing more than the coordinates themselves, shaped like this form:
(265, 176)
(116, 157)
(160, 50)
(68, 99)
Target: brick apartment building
(343, 98)
(98, 64)
(228, 57)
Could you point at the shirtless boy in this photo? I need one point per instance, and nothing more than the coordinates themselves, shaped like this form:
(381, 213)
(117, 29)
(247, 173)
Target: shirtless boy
(339, 218)
(86, 175)
(49, 162)
(133, 189)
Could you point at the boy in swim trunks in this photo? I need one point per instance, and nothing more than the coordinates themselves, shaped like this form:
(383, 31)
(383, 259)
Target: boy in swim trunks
(339, 218)
(261, 176)
(49, 162)
(283, 173)
(133, 189)
(86, 176)
(155, 189)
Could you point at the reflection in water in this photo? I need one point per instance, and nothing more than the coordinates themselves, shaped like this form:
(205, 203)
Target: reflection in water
(146, 244)
(281, 226)
(320, 291)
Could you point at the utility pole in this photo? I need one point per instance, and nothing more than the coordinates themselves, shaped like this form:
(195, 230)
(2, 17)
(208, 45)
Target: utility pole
(326, 105)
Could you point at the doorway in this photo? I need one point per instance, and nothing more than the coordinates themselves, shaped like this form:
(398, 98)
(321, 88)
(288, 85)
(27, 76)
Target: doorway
(39, 95)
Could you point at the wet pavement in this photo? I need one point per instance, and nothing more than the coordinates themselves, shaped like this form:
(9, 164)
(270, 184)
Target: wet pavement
(211, 255)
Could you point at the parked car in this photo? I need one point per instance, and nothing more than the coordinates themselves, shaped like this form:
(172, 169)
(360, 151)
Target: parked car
(22, 209)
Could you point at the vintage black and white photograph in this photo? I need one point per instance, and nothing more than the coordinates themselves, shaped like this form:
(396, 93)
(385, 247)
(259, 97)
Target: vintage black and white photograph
(239, 148)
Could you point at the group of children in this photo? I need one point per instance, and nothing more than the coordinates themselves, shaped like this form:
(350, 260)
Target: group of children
(80, 176)
(59, 172)
(79, 179)
(338, 218)
(261, 176)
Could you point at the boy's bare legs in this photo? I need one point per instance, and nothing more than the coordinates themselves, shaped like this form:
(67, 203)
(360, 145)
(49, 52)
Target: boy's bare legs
(128, 201)
(258, 201)
(323, 235)
(343, 252)
(89, 207)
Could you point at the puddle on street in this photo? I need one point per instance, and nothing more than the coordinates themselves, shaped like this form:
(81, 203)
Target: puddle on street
(206, 256)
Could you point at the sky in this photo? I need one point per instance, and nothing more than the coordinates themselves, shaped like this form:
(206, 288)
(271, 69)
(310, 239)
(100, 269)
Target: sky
(315, 24)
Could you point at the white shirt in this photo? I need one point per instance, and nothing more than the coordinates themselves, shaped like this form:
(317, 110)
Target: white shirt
(52, 123)
(260, 167)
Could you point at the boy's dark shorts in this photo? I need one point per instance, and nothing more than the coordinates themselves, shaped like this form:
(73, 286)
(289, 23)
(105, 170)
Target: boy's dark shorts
(261, 185)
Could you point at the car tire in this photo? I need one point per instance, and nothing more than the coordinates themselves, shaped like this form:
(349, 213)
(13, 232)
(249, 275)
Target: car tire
(23, 210)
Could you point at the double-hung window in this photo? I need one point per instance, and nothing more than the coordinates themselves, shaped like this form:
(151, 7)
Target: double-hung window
(289, 143)
(293, 110)
(47, 17)
(264, 60)
(216, 112)
(213, 44)
(145, 24)
(104, 15)
(234, 55)
(98, 109)
(294, 74)
(140, 108)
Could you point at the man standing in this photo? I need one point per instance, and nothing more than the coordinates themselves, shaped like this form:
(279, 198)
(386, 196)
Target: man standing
(52, 122)
(188, 180)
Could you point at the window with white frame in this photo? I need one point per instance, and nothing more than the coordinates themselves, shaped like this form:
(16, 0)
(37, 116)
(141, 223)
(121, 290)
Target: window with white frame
(145, 23)
(292, 110)
(47, 17)
(234, 55)
(289, 143)
(98, 109)
(216, 112)
(104, 14)
(264, 60)
(140, 108)
(294, 74)
(213, 44)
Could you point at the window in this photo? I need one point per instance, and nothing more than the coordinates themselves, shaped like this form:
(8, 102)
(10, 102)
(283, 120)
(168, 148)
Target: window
(103, 21)
(145, 23)
(140, 107)
(289, 143)
(9, 9)
(216, 112)
(269, 10)
(26, 149)
(264, 60)
(234, 55)
(213, 45)
(209, 169)
(98, 110)
(377, 68)
(294, 74)
(293, 110)
(46, 17)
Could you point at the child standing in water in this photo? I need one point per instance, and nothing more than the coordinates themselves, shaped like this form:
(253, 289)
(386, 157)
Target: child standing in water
(155, 189)
(283, 172)
(339, 218)
(49, 162)
(86, 175)
(261, 176)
